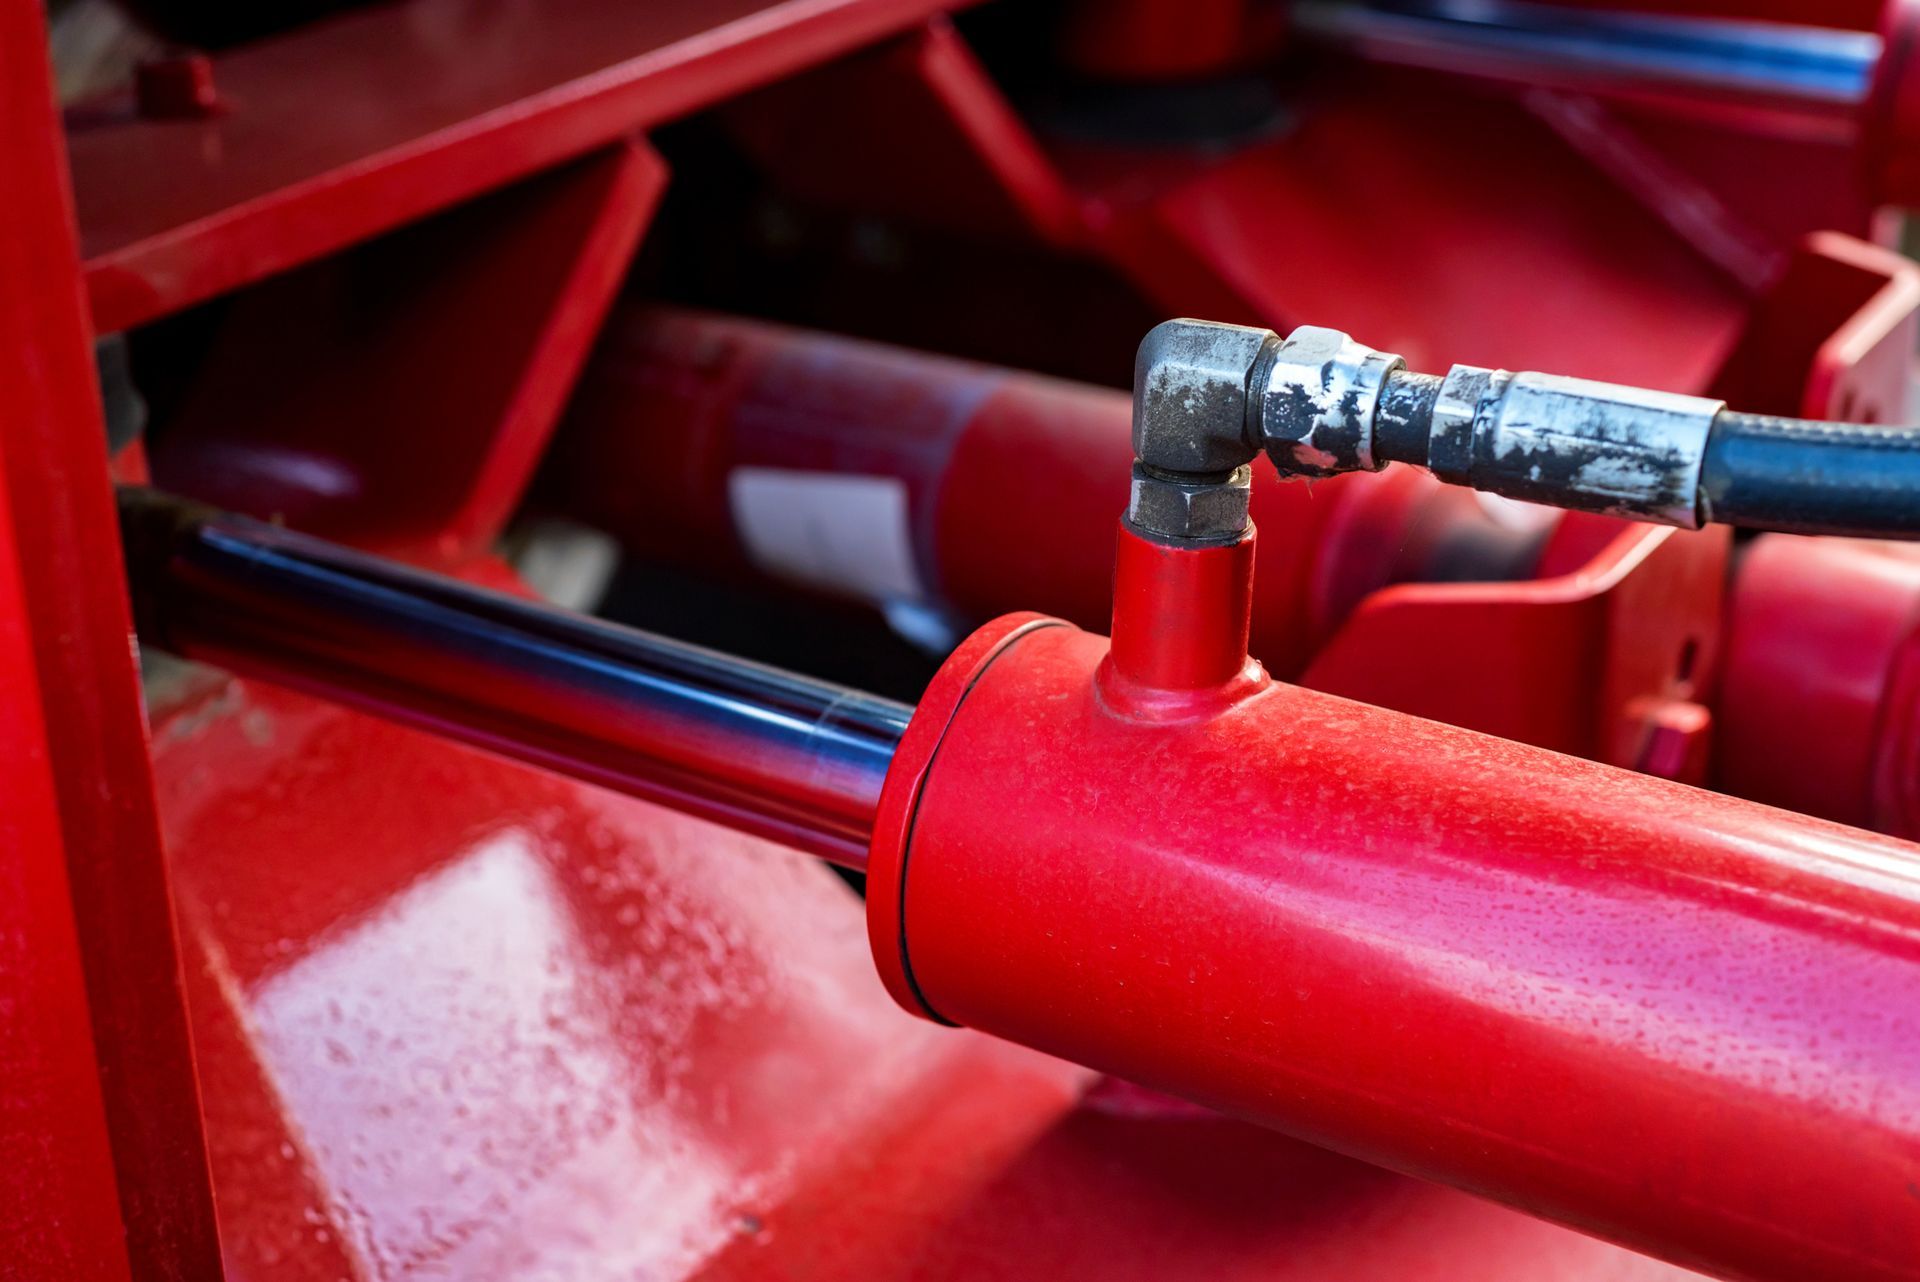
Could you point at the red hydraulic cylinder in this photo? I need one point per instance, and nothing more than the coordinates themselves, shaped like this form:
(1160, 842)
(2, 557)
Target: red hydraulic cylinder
(1682, 1021)
(747, 447)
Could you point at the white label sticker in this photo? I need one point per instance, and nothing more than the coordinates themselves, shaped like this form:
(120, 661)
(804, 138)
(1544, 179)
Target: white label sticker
(844, 534)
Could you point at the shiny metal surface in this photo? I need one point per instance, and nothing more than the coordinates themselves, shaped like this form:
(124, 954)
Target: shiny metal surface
(761, 750)
(1316, 401)
(1547, 43)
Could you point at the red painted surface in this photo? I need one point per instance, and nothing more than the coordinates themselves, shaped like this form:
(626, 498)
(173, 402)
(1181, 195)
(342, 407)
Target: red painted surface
(1621, 622)
(1168, 39)
(1891, 133)
(1678, 1020)
(427, 372)
(461, 1018)
(1408, 208)
(74, 721)
(1182, 614)
(457, 1018)
(370, 120)
(53, 1137)
(1126, 1197)
(947, 151)
(1834, 337)
(1447, 275)
(1817, 698)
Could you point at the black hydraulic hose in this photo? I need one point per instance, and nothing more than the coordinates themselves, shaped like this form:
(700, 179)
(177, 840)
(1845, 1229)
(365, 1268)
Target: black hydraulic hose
(1809, 477)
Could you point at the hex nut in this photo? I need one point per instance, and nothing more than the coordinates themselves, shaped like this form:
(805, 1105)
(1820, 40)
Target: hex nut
(1190, 397)
(1456, 419)
(1190, 510)
(1315, 410)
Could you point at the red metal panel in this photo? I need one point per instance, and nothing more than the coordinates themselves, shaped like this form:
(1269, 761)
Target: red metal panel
(1427, 211)
(946, 150)
(71, 603)
(1624, 620)
(399, 397)
(1422, 219)
(59, 1207)
(1834, 338)
(370, 120)
(463, 1018)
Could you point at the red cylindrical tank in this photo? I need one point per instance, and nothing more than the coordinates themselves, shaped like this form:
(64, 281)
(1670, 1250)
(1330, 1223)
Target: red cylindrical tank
(1682, 1021)
(877, 472)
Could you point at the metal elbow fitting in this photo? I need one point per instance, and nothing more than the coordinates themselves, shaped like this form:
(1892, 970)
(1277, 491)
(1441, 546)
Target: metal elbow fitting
(1209, 397)
(1191, 386)
(1192, 396)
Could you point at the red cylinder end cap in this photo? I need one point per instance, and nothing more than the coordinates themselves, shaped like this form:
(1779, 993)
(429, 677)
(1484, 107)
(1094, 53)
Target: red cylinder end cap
(900, 798)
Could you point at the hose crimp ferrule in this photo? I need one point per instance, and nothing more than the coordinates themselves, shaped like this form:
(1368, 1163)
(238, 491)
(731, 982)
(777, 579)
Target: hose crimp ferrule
(1317, 400)
(1573, 443)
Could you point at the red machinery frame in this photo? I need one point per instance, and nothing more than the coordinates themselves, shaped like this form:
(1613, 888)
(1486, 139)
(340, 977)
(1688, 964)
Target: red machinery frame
(936, 1143)
(101, 1101)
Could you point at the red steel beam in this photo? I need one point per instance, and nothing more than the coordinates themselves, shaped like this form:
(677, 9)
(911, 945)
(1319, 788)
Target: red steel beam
(431, 367)
(68, 605)
(365, 122)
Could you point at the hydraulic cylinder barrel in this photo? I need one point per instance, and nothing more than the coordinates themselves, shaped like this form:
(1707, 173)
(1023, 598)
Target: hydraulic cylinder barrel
(1683, 1021)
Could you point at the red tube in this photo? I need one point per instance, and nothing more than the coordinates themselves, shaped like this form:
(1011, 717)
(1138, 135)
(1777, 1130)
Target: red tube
(1179, 639)
(1819, 698)
(1682, 1021)
(687, 428)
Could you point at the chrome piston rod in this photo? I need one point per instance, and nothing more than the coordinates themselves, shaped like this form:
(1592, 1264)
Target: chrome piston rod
(768, 752)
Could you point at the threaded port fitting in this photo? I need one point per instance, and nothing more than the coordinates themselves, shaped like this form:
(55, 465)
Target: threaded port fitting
(1188, 507)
